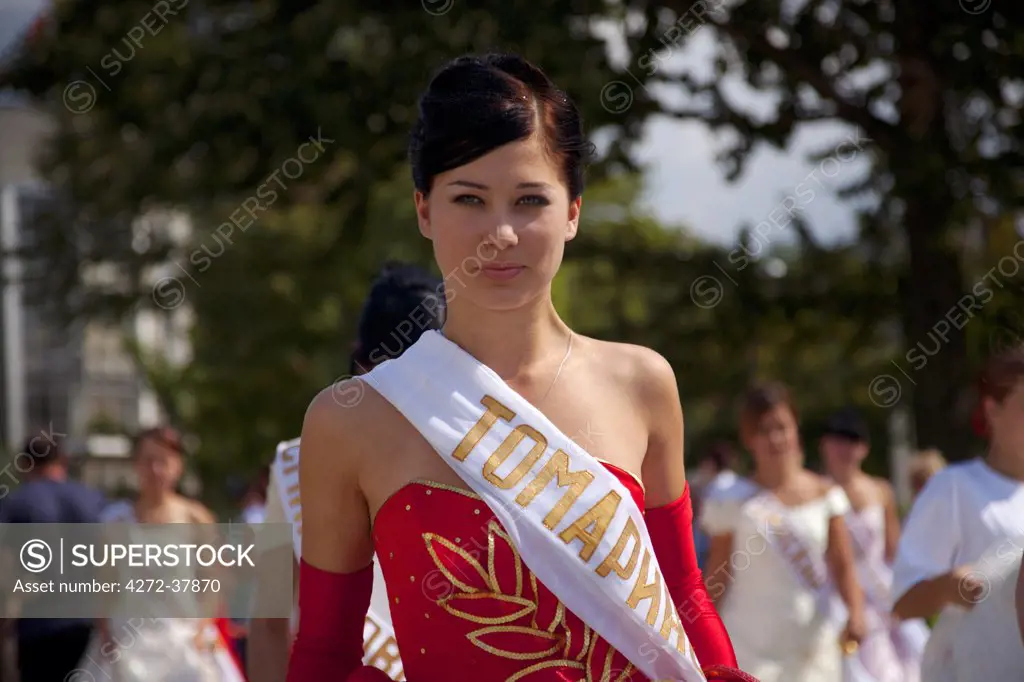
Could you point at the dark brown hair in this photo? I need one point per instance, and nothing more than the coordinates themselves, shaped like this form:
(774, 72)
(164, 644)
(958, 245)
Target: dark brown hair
(164, 435)
(761, 399)
(997, 380)
(475, 104)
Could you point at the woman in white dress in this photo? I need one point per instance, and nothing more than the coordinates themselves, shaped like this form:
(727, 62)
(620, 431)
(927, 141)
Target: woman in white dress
(160, 649)
(891, 650)
(961, 546)
(780, 565)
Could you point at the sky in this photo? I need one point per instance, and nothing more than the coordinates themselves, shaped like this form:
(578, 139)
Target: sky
(684, 183)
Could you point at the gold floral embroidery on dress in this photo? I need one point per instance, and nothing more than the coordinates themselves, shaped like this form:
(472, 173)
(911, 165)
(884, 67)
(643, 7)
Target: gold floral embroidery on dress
(507, 604)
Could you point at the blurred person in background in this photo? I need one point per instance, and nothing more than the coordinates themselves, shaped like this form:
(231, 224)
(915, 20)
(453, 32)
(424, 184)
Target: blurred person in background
(780, 564)
(401, 293)
(922, 466)
(163, 648)
(49, 649)
(715, 474)
(253, 506)
(716, 470)
(961, 545)
(254, 503)
(891, 650)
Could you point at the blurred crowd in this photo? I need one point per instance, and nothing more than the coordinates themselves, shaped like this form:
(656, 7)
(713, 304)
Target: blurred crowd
(798, 562)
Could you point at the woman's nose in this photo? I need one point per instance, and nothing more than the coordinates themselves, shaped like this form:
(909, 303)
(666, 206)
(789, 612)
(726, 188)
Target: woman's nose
(503, 237)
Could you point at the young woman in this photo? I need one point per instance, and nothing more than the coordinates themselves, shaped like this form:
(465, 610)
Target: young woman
(922, 466)
(780, 561)
(186, 649)
(493, 581)
(400, 293)
(962, 543)
(891, 651)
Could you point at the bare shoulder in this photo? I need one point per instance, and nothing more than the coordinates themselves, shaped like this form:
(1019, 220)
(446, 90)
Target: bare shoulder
(885, 489)
(646, 372)
(340, 421)
(820, 485)
(198, 513)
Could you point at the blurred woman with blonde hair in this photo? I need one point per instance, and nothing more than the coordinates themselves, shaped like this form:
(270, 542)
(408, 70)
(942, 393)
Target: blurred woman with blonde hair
(923, 465)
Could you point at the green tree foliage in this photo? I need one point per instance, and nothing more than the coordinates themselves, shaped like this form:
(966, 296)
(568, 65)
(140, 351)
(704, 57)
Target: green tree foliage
(935, 87)
(194, 106)
(812, 316)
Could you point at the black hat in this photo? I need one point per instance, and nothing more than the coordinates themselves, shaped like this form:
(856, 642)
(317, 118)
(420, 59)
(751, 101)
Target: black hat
(847, 423)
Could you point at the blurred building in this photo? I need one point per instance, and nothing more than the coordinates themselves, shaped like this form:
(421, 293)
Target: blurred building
(78, 380)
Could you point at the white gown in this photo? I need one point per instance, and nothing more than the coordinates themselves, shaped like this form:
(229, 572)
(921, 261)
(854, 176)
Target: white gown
(891, 652)
(968, 515)
(776, 627)
(157, 649)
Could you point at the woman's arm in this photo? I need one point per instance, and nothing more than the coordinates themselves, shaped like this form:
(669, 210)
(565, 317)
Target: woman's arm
(928, 597)
(892, 522)
(717, 575)
(336, 572)
(841, 564)
(926, 577)
(1020, 601)
(270, 639)
(669, 514)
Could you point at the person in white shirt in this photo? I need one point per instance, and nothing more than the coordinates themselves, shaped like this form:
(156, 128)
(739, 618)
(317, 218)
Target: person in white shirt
(961, 546)
(403, 302)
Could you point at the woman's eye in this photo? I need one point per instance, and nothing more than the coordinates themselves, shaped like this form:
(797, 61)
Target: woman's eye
(468, 199)
(535, 200)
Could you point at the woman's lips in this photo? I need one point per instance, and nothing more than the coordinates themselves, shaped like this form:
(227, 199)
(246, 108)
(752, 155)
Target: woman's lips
(501, 273)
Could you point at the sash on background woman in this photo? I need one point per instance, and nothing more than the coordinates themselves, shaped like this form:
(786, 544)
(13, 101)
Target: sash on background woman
(809, 568)
(907, 639)
(380, 649)
(158, 649)
(583, 537)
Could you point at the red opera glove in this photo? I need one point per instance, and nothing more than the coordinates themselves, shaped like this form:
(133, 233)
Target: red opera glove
(368, 674)
(671, 531)
(332, 611)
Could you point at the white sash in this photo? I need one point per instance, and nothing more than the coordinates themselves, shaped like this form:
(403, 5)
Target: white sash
(138, 649)
(380, 649)
(874, 578)
(583, 537)
(146, 649)
(808, 566)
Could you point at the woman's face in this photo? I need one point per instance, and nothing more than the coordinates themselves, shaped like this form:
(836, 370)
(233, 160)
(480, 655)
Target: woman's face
(158, 467)
(499, 225)
(774, 439)
(841, 454)
(1006, 419)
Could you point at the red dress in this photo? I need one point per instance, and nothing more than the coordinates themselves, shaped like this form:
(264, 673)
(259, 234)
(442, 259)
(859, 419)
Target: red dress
(464, 604)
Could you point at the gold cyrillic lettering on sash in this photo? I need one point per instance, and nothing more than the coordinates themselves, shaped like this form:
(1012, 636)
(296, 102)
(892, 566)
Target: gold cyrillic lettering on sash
(600, 516)
(644, 590)
(506, 448)
(556, 468)
(494, 411)
(289, 461)
(612, 561)
(671, 622)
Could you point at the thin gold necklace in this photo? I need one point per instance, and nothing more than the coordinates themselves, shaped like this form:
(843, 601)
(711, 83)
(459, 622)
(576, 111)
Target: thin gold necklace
(561, 366)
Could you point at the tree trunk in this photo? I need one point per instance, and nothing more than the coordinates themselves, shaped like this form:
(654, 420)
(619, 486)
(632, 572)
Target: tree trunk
(934, 369)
